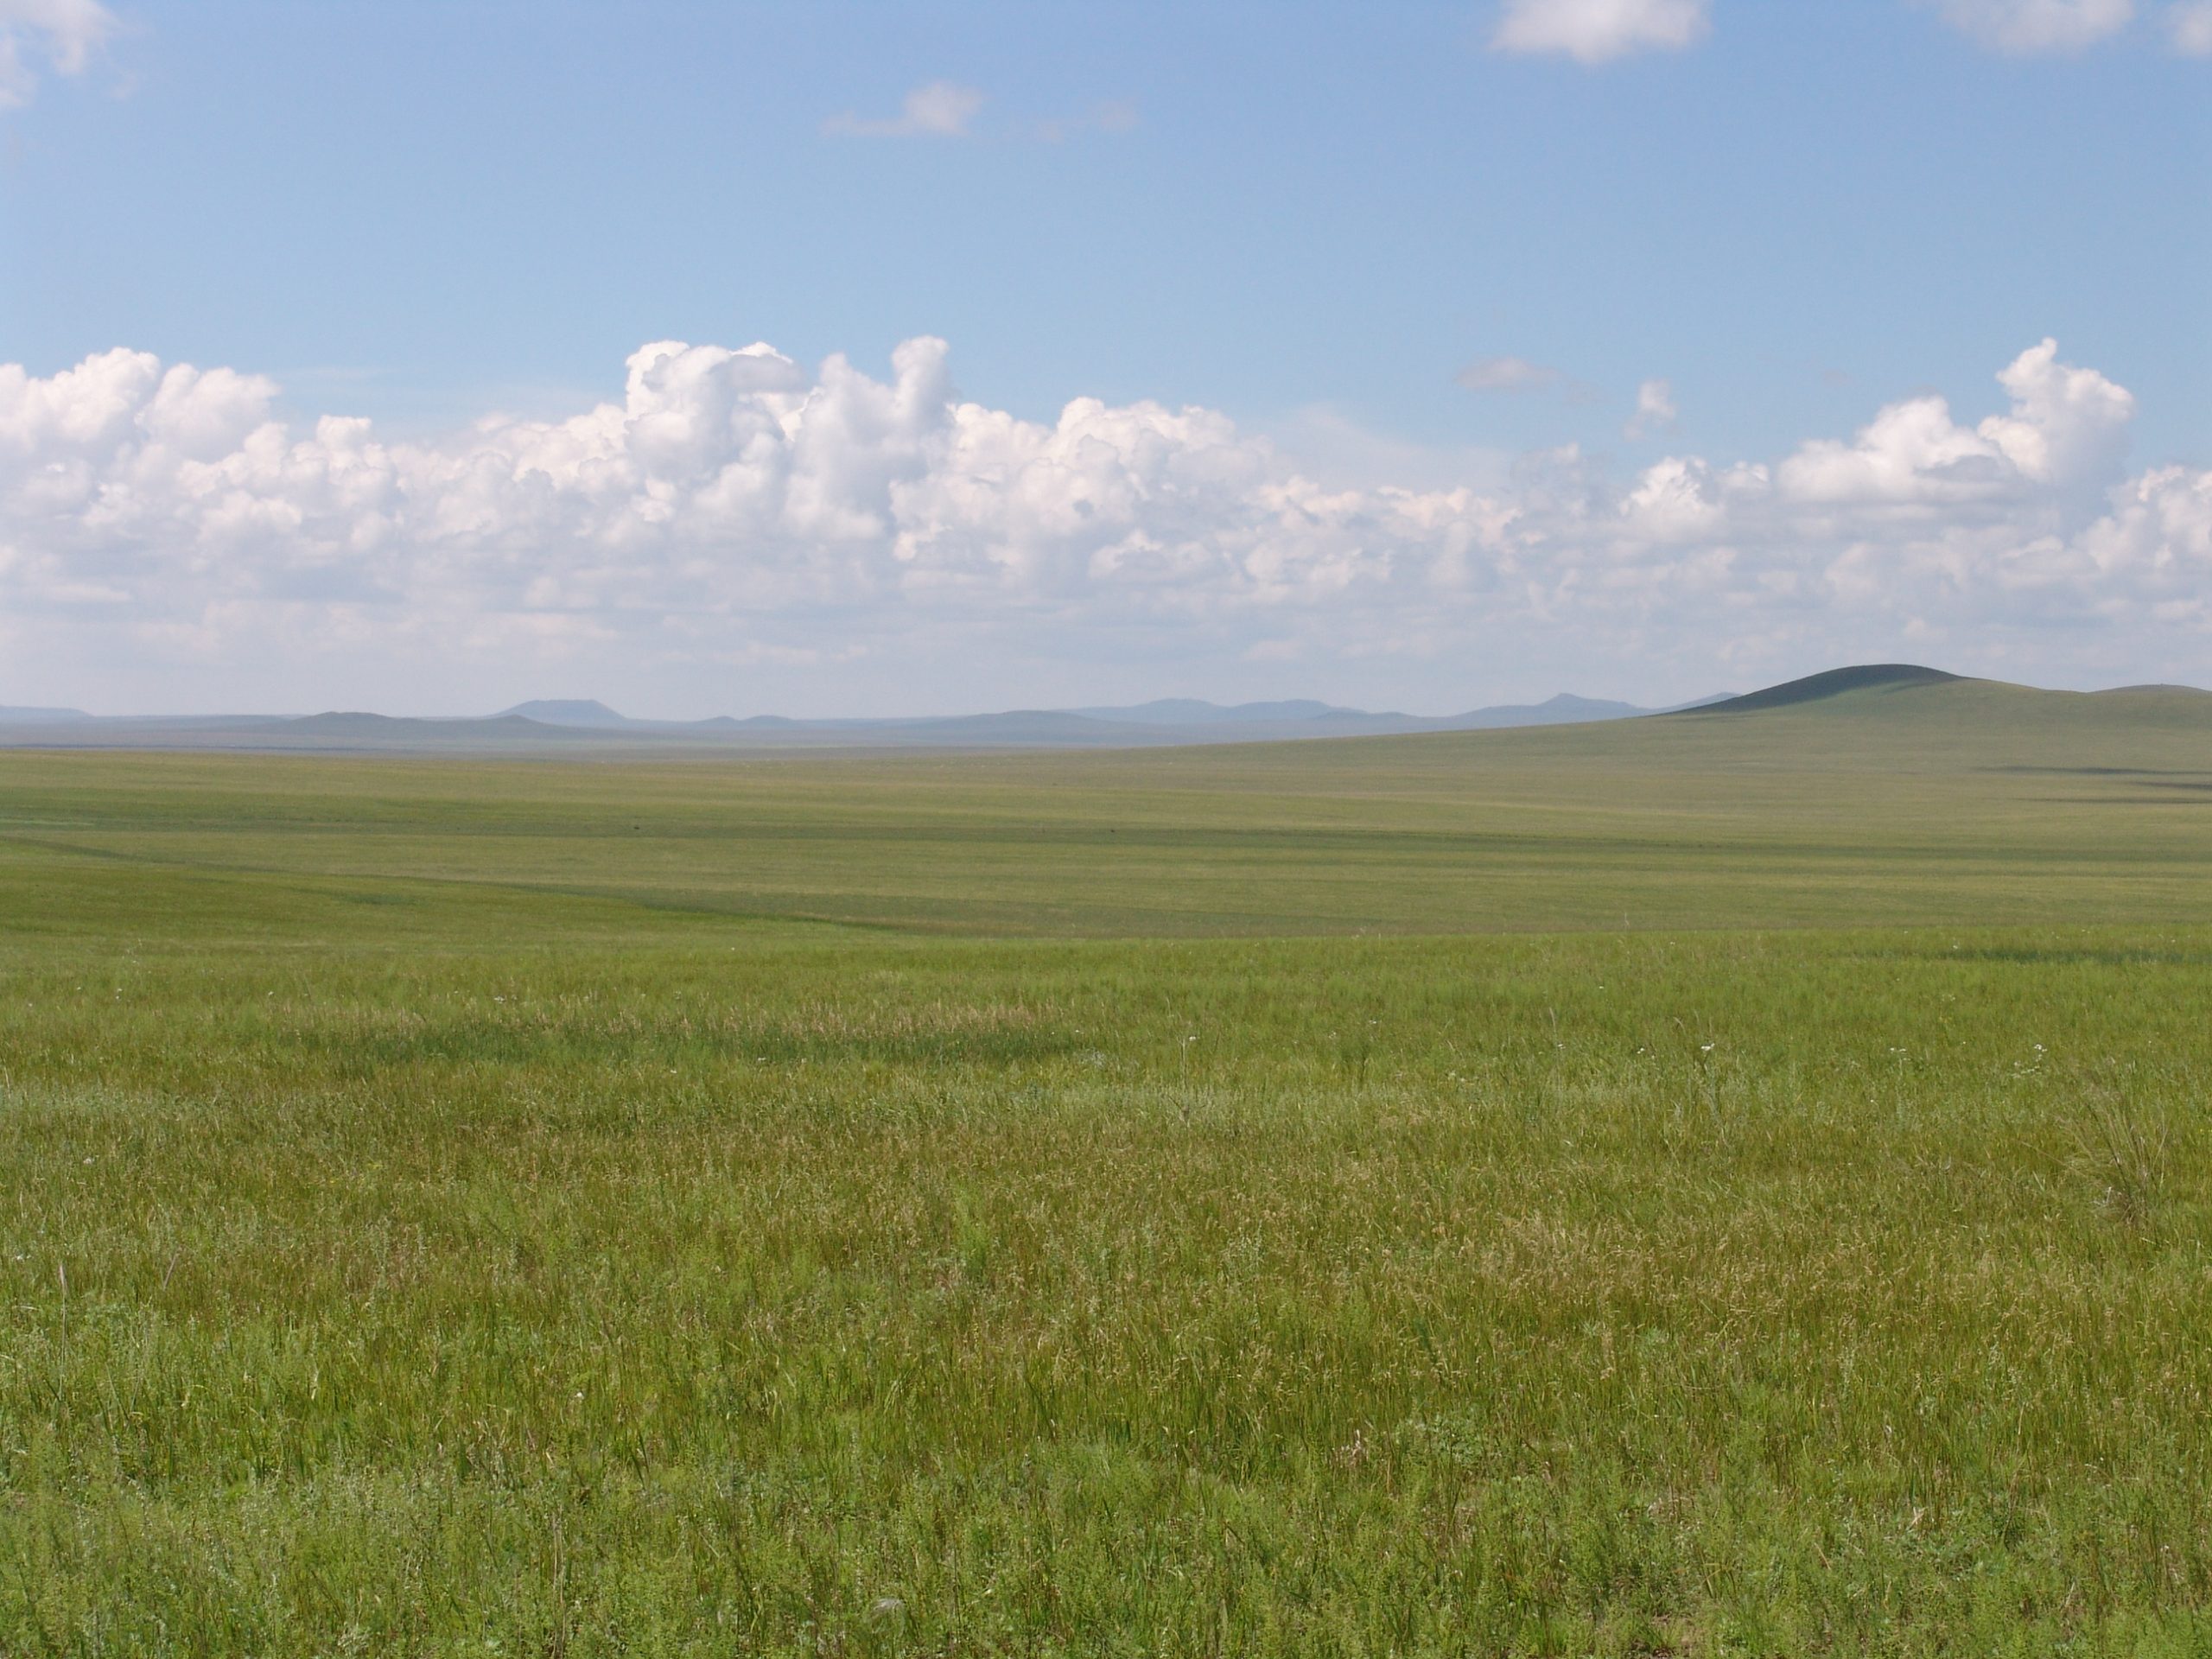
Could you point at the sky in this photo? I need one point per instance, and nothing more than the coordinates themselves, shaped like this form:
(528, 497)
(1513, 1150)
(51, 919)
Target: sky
(873, 359)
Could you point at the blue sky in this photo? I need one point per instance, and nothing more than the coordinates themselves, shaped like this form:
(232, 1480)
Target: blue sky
(1408, 248)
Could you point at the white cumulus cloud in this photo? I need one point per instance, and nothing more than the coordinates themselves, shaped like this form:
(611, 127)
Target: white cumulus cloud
(1598, 31)
(2027, 26)
(732, 506)
(2067, 427)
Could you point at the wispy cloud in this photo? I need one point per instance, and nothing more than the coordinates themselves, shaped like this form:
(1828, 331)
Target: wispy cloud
(2189, 26)
(1112, 115)
(938, 109)
(2029, 28)
(1598, 31)
(1509, 374)
(1655, 409)
(1517, 377)
(62, 36)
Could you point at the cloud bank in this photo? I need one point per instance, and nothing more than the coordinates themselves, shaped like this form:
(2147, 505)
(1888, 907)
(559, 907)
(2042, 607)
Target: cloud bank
(733, 508)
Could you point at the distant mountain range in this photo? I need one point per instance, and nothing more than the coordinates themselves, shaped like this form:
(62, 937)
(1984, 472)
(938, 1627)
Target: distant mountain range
(1165, 719)
(1183, 712)
(535, 725)
(585, 724)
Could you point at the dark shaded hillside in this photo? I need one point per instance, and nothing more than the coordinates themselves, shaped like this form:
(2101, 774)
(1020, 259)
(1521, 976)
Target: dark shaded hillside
(1815, 687)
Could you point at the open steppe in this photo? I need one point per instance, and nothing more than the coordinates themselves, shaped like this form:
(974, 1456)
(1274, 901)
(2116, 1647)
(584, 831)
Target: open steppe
(1712, 1183)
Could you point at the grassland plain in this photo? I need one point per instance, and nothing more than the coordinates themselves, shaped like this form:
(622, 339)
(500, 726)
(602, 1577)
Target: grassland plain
(1737, 1186)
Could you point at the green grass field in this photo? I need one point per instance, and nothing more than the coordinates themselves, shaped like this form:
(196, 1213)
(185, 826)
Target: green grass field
(1723, 1184)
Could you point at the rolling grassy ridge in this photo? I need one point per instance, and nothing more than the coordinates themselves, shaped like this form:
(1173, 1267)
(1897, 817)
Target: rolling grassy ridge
(993, 1205)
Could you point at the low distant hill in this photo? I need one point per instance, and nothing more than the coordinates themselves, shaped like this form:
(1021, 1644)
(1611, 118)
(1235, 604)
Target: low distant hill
(1903, 719)
(1195, 711)
(12, 716)
(385, 729)
(1564, 710)
(1306, 718)
(586, 712)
